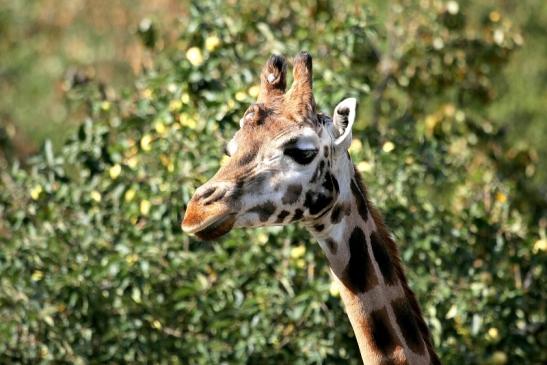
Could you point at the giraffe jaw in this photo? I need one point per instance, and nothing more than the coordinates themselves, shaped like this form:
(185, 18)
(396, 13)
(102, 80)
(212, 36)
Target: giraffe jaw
(212, 228)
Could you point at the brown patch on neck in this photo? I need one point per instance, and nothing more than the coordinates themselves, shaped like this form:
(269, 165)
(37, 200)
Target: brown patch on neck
(393, 252)
(377, 340)
(382, 335)
(359, 275)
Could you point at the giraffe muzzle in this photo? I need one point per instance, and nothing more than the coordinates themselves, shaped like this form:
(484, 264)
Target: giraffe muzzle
(209, 228)
(207, 215)
(216, 229)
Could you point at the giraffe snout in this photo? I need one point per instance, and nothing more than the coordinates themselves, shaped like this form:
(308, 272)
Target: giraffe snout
(208, 214)
(211, 194)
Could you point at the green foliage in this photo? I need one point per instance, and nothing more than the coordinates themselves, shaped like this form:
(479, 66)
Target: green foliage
(94, 267)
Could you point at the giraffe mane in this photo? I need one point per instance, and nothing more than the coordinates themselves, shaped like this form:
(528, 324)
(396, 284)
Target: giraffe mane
(393, 251)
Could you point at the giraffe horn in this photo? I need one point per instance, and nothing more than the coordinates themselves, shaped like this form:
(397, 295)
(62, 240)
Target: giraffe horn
(300, 96)
(273, 79)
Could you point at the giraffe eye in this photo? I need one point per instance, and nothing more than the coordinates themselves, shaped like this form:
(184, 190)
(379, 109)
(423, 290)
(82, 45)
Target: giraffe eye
(300, 156)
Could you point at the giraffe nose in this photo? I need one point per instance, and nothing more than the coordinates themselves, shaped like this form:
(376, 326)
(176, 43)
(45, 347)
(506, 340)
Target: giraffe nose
(209, 203)
(209, 194)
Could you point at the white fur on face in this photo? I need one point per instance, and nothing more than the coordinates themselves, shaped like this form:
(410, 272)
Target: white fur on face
(274, 172)
(231, 147)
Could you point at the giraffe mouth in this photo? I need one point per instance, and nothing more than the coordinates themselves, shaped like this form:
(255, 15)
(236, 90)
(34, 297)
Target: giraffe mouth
(215, 228)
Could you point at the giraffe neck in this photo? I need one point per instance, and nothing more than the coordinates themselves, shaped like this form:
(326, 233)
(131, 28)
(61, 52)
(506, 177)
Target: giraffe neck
(365, 263)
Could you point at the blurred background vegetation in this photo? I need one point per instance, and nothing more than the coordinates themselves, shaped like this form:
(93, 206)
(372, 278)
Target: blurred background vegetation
(112, 112)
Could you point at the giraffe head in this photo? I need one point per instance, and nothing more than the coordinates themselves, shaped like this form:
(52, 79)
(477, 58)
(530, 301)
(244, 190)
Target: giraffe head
(282, 161)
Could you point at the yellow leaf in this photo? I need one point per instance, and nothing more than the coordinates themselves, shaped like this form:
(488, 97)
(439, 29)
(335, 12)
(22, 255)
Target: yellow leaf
(240, 96)
(175, 105)
(460, 116)
(430, 123)
(164, 159)
(132, 162)
(499, 358)
(160, 128)
(49, 320)
(187, 121)
(185, 98)
(131, 259)
(96, 196)
(364, 166)
(167, 162)
(501, 197)
(145, 142)
(262, 238)
(356, 146)
(115, 171)
(334, 290)
(494, 16)
(37, 275)
(145, 207)
(105, 105)
(449, 110)
(253, 91)
(212, 42)
(147, 94)
(452, 312)
(136, 295)
(493, 333)
(129, 195)
(44, 352)
(35, 192)
(453, 7)
(194, 55)
(388, 147)
(540, 245)
(298, 251)
(172, 88)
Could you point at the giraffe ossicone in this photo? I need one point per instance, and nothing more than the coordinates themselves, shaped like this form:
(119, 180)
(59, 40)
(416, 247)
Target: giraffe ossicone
(288, 163)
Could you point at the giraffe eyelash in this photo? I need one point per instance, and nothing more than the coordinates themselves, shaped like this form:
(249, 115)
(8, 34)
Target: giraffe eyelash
(300, 156)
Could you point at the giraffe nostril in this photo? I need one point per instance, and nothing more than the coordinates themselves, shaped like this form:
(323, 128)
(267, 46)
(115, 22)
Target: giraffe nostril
(205, 194)
(216, 196)
(211, 194)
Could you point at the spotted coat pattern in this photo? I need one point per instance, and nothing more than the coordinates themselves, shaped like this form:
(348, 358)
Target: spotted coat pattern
(286, 164)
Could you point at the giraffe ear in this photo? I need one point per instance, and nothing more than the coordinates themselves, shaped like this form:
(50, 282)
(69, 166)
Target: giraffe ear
(343, 118)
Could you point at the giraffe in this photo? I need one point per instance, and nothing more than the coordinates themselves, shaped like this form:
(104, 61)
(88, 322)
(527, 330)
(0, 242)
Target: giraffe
(289, 163)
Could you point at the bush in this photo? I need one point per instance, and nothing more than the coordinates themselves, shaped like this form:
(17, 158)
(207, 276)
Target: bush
(94, 267)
